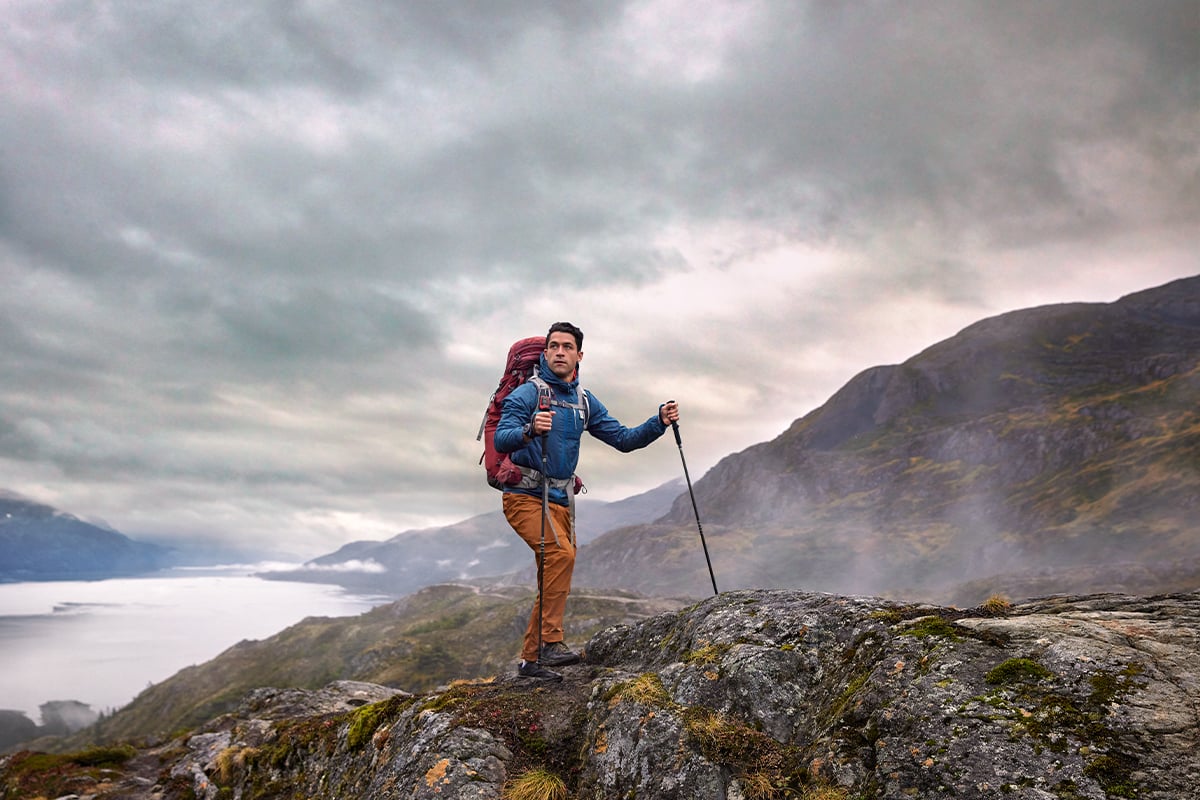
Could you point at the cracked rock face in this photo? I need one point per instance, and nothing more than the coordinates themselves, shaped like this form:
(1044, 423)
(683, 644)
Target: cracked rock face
(754, 694)
(1086, 697)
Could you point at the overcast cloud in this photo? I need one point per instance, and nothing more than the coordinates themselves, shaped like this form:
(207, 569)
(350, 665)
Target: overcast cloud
(261, 262)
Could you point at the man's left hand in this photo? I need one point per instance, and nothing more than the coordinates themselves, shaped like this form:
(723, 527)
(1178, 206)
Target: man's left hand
(668, 414)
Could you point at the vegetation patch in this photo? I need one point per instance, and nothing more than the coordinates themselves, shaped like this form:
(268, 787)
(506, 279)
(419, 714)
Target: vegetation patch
(1113, 771)
(838, 707)
(646, 690)
(1016, 670)
(58, 774)
(366, 720)
(450, 622)
(1053, 718)
(824, 792)
(706, 653)
(996, 605)
(294, 738)
(931, 626)
(757, 759)
(231, 763)
(889, 616)
(1109, 686)
(458, 692)
(536, 784)
(538, 725)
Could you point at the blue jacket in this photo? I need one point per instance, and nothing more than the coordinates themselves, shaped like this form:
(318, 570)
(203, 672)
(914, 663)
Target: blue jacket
(562, 445)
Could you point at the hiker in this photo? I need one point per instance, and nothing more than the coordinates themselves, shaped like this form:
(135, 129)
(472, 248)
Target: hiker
(566, 412)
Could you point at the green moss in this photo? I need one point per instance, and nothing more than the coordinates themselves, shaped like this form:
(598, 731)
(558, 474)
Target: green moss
(888, 615)
(535, 745)
(931, 626)
(294, 738)
(449, 699)
(1017, 670)
(1112, 772)
(366, 720)
(838, 707)
(1057, 721)
(1108, 686)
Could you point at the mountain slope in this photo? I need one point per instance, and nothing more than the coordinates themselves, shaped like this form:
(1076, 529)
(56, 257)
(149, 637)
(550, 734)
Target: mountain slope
(436, 635)
(38, 542)
(1049, 449)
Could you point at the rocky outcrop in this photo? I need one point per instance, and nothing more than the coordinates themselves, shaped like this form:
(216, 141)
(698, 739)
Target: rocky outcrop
(750, 694)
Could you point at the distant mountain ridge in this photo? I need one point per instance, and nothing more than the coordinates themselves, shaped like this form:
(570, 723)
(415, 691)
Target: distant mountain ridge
(1053, 449)
(483, 546)
(39, 542)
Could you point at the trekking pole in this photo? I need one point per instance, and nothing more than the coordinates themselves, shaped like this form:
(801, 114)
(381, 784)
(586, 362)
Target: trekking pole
(699, 527)
(543, 405)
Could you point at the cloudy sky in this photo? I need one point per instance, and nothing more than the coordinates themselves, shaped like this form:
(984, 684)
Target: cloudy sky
(260, 262)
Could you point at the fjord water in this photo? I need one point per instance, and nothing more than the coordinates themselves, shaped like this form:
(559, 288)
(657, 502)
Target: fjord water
(103, 642)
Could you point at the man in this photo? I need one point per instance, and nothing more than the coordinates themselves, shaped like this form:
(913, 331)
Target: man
(521, 432)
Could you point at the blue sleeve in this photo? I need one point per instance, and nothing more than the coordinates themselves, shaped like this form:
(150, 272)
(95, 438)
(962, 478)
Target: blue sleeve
(515, 414)
(609, 430)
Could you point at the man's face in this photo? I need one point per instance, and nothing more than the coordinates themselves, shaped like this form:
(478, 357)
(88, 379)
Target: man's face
(562, 355)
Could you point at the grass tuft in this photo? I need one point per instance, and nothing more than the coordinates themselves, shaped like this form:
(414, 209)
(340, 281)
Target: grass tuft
(645, 690)
(706, 653)
(536, 784)
(997, 605)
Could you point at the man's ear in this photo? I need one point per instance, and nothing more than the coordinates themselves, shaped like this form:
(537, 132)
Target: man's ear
(580, 356)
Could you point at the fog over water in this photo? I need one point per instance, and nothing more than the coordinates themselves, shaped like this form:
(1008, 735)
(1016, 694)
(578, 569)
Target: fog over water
(103, 642)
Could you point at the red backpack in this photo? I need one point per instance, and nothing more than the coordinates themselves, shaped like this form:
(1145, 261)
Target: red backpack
(521, 365)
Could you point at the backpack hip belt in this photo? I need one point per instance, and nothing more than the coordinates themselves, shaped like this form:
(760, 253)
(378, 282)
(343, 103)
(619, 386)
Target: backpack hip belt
(532, 479)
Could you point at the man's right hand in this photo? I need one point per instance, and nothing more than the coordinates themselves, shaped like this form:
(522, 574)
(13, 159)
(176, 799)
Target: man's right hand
(542, 421)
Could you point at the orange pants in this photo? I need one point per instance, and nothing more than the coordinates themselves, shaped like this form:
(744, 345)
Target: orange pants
(524, 514)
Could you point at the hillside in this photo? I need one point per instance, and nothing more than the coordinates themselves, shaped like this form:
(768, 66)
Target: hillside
(753, 694)
(1054, 449)
(436, 635)
(38, 542)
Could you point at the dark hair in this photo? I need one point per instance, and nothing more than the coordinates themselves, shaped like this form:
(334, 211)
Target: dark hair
(566, 327)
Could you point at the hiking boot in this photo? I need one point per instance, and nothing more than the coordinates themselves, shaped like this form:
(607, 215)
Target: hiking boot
(557, 654)
(532, 669)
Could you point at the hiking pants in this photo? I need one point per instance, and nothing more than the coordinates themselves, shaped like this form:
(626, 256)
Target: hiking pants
(524, 514)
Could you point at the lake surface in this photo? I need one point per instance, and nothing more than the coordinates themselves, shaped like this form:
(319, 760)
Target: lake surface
(103, 642)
